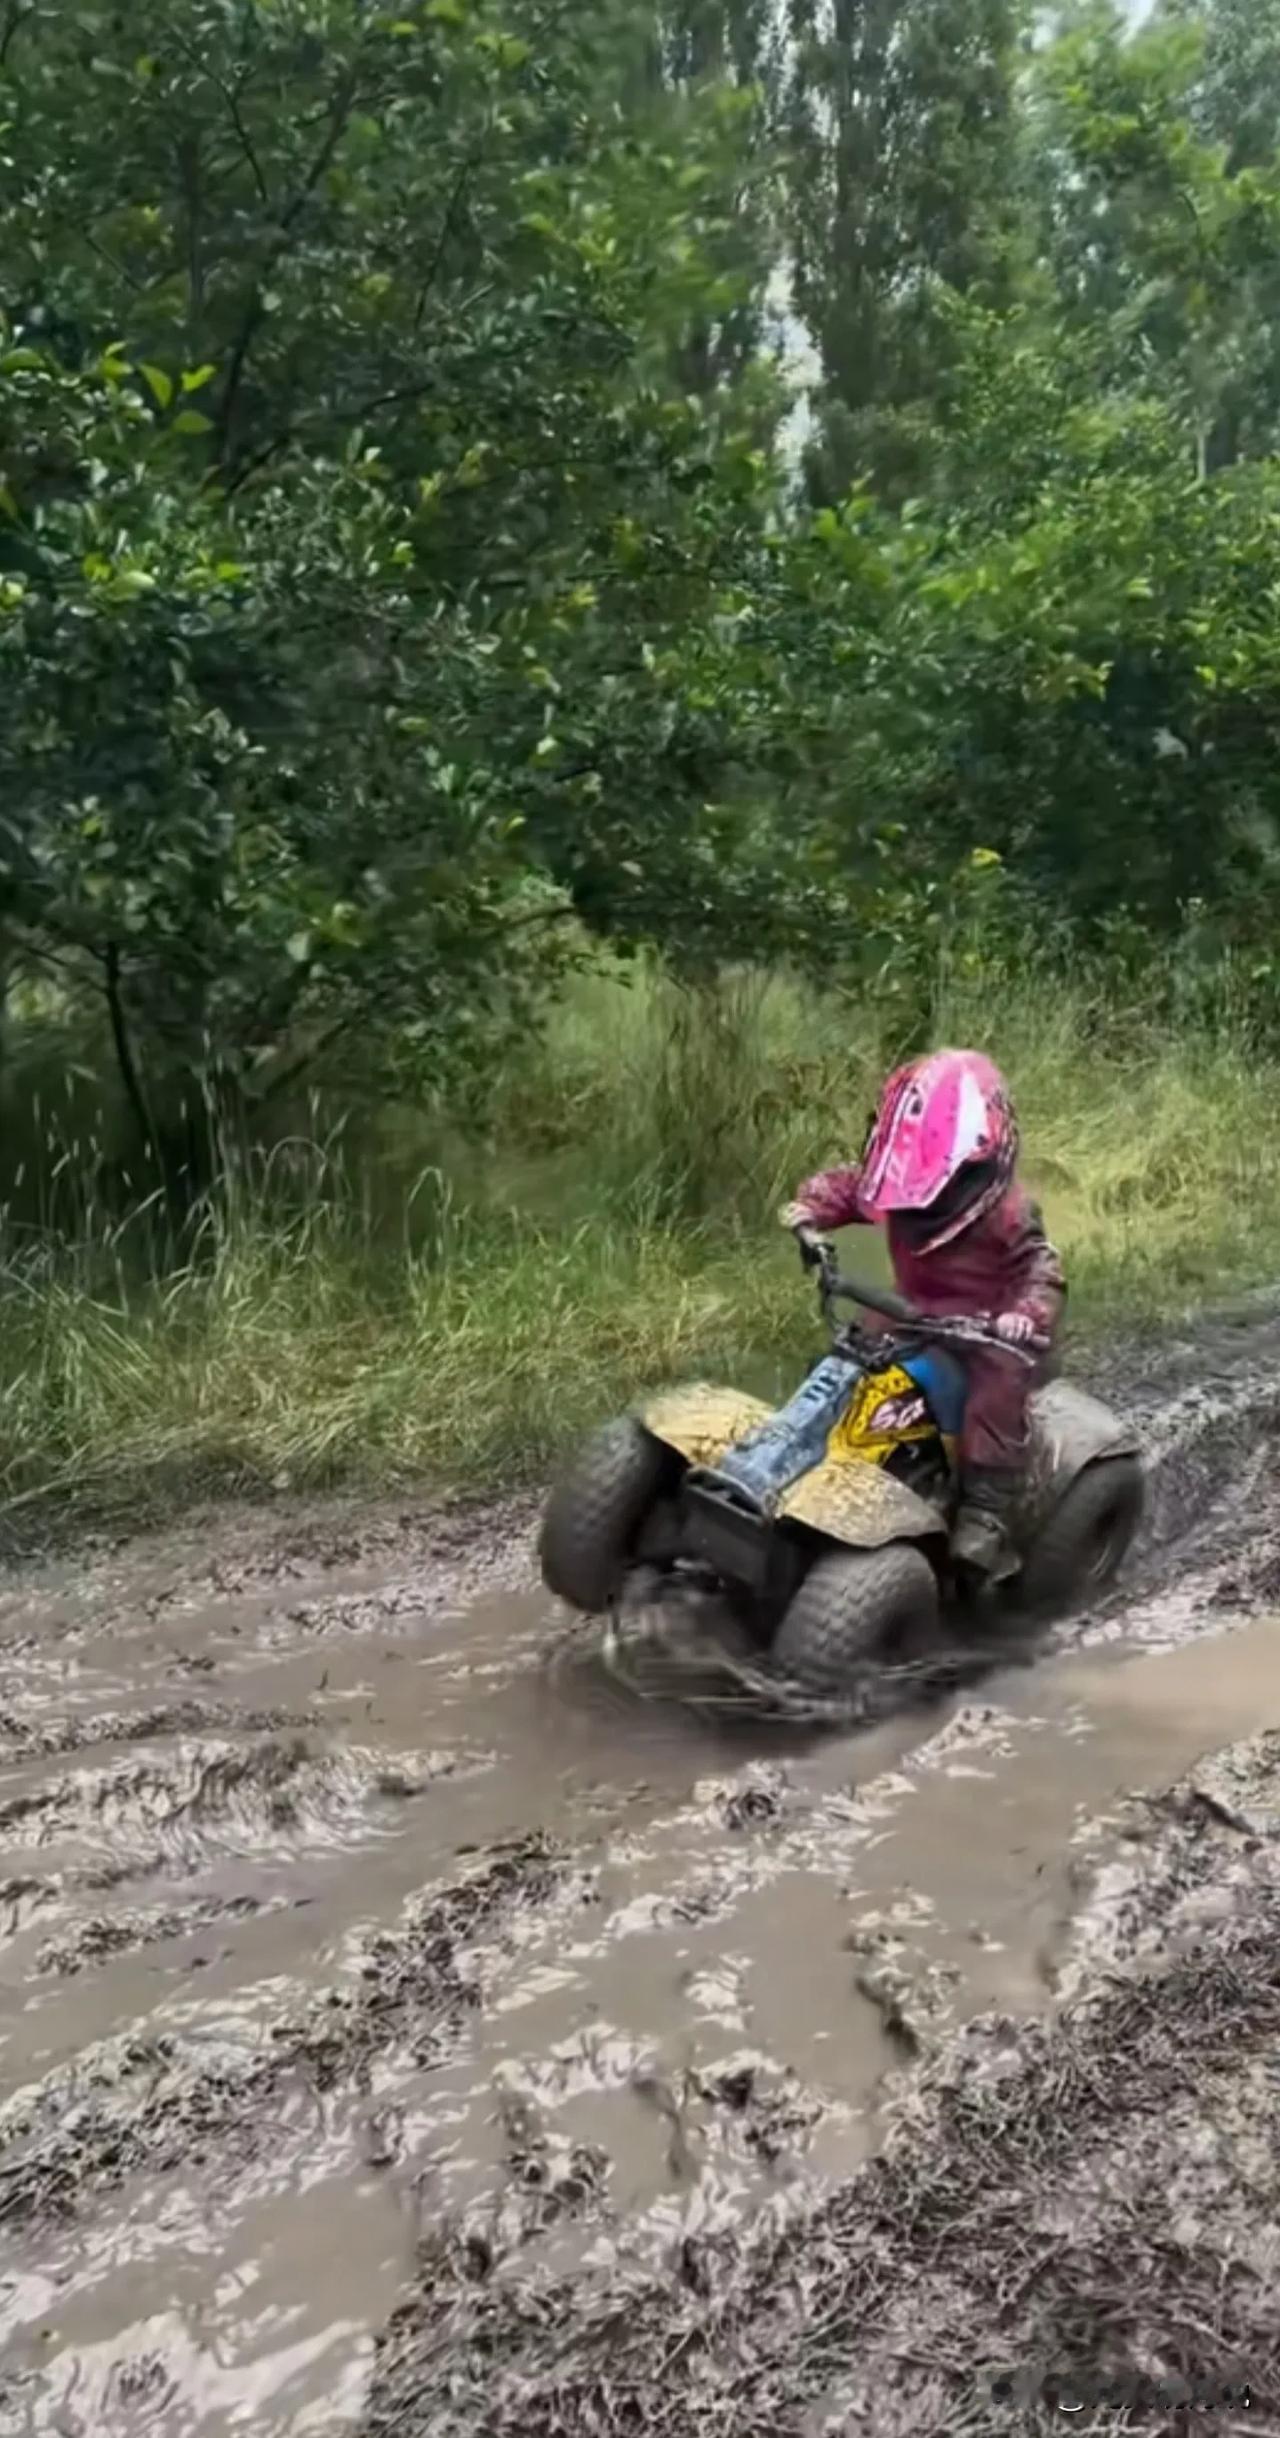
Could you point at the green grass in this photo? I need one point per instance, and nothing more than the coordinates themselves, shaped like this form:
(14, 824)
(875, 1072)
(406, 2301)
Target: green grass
(463, 1317)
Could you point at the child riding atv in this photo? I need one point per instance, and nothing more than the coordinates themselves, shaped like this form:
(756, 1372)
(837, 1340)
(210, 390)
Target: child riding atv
(832, 1523)
(939, 1172)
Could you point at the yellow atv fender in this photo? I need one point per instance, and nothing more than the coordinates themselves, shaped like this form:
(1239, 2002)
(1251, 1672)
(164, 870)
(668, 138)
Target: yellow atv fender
(847, 1497)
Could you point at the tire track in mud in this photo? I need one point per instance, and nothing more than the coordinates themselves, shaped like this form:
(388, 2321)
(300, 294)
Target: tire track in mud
(200, 1805)
(1096, 2198)
(353, 1956)
(211, 1792)
(24, 1740)
(147, 2105)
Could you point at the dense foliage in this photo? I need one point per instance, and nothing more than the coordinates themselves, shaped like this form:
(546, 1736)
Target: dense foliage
(360, 550)
(410, 570)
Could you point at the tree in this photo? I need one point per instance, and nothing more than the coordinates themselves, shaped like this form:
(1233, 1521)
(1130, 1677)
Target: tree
(901, 188)
(1155, 235)
(364, 577)
(1079, 678)
(734, 44)
(1237, 97)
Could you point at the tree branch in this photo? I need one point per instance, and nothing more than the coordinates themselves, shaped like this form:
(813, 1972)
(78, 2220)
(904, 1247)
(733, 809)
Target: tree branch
(129, 1075)
(16, 18)
(297, 1067)
(61, 965)
(113, 263)
(451, 210)
(189, 164)
(231, 96)
(540, 918)
(348, 416)
(339, 114)
(235, 371)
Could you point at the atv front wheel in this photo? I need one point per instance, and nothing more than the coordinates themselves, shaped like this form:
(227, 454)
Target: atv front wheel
(1085, 1539)
(594, 1514)
(851, 1607)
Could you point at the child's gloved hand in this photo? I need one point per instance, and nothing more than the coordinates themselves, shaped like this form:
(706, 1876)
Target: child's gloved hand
(1018, 1329)
(796, 1214)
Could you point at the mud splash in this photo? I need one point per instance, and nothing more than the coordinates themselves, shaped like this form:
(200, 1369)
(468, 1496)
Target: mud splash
(387, 1996)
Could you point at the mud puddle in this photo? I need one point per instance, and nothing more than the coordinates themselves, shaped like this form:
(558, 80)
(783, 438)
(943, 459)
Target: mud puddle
(352, 1920)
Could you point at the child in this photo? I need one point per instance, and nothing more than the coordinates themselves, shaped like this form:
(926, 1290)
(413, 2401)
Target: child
(938, 1170)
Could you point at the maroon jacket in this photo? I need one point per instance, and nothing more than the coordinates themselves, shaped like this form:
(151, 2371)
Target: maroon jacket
(1003, 1263)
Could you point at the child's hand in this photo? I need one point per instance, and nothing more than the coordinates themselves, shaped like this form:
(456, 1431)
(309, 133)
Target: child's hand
(796, 1214)
(1018, 1329)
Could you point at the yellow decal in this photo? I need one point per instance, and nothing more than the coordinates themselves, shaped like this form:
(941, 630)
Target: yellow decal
(867, 1433)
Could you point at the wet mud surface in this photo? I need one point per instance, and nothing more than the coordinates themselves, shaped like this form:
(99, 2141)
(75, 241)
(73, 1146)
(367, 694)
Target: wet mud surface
(408, 2026)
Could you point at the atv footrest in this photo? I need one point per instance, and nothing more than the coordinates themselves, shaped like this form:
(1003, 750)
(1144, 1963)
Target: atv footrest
(727, 1534)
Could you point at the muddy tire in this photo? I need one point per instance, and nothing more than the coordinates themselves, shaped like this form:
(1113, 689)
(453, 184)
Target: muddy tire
(1086, 1538)
(595, 1511)
(851, 1608)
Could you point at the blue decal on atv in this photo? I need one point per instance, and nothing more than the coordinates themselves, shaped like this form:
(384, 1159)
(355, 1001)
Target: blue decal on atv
(786, 1447)
(944, 1384)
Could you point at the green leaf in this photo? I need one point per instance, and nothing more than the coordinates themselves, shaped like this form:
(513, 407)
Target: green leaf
(509, 50)
(159, 384)
(197, 378)
(447, 12)
(191, 420)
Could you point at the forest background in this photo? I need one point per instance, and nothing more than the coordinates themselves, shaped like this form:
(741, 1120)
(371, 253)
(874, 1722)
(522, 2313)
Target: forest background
(576, 578)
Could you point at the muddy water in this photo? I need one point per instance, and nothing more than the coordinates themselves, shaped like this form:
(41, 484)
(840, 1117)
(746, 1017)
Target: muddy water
(342, 1897)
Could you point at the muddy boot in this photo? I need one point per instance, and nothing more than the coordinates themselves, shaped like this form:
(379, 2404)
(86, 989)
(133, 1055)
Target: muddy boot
(982, 1545)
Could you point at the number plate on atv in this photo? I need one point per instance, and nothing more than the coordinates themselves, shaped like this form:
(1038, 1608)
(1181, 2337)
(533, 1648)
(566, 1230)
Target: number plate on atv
(738, 1545)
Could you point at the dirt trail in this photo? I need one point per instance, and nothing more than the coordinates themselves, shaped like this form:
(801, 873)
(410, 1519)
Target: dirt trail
(381, 1987)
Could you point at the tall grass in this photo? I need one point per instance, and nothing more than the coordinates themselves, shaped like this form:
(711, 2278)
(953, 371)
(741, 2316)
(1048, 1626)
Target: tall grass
(428, 1304)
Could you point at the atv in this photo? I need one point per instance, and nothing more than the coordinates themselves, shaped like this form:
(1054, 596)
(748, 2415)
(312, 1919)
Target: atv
(828, 1521)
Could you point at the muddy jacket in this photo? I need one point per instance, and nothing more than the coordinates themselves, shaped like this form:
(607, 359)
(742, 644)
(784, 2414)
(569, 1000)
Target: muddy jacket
(1003, 1263)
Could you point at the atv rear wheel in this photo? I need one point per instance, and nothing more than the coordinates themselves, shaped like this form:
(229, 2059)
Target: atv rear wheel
(851, 1607)
(1085, 1539)
(594, 1514)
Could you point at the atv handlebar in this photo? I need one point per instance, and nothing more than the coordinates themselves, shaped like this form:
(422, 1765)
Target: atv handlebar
(953, 1329)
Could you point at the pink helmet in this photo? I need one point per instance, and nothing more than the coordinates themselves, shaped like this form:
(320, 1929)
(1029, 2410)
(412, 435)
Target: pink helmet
(944, 1143)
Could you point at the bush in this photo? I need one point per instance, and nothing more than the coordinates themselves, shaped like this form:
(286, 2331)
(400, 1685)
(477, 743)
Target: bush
(612, 1228)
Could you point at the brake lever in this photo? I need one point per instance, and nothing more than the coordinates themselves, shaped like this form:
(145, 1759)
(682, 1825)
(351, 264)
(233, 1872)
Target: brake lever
(816, 1253)
(965, 1332)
